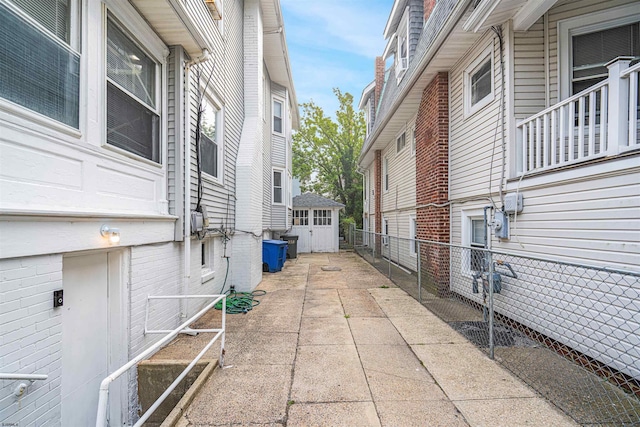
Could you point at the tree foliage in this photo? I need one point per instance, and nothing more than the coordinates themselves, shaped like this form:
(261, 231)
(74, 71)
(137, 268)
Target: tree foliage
(325, 153)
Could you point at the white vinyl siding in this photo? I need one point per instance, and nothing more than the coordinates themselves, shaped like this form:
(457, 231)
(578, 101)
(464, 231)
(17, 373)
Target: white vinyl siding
(471, 137)
(227, 85)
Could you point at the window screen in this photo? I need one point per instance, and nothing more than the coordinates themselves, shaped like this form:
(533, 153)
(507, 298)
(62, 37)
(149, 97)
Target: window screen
(277, 187)
(481, 82)
(478, 233)
(36, 71)
(277, 116)
(51, 14)
(592, 51)
(132, 123)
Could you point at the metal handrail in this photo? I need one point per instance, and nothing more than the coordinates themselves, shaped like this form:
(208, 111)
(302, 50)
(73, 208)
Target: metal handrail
(28, 377)
(104, 385)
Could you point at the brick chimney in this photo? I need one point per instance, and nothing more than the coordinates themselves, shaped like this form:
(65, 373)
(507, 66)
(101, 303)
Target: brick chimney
(428, 8)
(379, 76)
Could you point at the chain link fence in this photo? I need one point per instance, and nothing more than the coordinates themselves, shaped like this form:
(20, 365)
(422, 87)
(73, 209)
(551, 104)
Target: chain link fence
(572, 332)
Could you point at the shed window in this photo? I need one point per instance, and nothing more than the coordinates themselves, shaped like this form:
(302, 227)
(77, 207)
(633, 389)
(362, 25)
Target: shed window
(300, 217)
(321, 217)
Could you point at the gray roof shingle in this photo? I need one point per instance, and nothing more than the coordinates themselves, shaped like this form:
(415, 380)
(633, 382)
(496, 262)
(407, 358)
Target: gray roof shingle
(310, 200)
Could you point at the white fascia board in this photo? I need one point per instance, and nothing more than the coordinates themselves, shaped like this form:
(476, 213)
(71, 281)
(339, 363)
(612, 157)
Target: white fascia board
(365, 94)
(530, 13)
(391, 44)
(394, 19)
(480, 15)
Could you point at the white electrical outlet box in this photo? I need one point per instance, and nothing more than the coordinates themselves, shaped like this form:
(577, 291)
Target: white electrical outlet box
(513, 204)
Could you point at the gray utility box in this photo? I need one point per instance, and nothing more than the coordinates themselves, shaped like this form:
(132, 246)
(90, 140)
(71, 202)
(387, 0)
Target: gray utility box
(292, 242)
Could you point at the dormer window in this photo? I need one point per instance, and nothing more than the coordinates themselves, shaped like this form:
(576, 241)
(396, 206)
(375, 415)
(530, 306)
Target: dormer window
(402, 48)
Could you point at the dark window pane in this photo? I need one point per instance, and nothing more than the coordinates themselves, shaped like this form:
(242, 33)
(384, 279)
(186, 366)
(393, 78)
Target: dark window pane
(481, 83)
(131, 126)
(37, 72)
(208, 155)
(51, 14)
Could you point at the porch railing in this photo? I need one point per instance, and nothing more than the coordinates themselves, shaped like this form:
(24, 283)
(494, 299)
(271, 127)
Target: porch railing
(597, 122)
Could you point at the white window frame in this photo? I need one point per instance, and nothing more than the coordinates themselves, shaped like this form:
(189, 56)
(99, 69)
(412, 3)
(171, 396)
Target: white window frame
(412, 140)
(75, 45)
(385, 231)
(207, 269)
(466, 230)
(584, 24)
(300, 217)
(472, 68)
(215, 103)
(279, 100)
(385, 174)
(134, 27)
(402, 34)
(413, 235)
(325, 216)
(282, 186)
(401, 135)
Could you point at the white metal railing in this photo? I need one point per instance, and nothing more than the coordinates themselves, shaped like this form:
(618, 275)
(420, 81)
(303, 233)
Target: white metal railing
(183, 328)
(599, 121)
(22, 387)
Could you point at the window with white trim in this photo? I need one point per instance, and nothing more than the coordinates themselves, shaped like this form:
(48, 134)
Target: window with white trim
(587, 42)
(211, 147)
(133, 104)
(413, 140)
(591, 51)
(300, 217)
(477, 240)
(278, 187)
(401, 142)
(385, 173)
(40, 57)
(478, 82)
(278, 124)
(402, 47)
(473, 233)
(321, 217)
(207, 271)
(413, 235)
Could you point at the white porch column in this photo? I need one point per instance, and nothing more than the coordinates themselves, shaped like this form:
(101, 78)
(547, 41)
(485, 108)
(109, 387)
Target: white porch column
(618, 101)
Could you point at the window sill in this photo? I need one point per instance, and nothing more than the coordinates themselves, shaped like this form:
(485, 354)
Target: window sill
(207, 275)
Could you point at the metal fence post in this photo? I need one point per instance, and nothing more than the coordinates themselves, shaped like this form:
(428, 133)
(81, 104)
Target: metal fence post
(389, 259)
(419, 273)
(491, 335)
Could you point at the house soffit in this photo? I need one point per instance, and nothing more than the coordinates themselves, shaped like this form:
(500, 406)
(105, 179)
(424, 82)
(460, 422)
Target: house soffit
(171, 21)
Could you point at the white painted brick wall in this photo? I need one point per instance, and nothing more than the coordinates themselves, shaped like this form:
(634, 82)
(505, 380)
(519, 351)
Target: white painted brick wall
(30, 338)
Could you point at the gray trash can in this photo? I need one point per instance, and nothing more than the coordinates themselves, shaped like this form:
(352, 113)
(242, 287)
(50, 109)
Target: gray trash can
(292, 242)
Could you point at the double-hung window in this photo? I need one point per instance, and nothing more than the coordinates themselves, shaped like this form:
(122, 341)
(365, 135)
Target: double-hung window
(277, 116)
(40, 57)
(478, 233)
(133, 104)
(385, 173)
(277, 187)
(211, 152)
(401, 142)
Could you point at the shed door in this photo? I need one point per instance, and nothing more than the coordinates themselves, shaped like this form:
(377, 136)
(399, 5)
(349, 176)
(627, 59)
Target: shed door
(301, 228)
(322, 231)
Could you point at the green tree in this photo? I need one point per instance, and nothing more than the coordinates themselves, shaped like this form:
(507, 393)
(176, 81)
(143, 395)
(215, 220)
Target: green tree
(325, 153)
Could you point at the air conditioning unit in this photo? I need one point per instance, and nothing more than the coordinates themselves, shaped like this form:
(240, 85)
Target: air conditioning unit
(213, 9)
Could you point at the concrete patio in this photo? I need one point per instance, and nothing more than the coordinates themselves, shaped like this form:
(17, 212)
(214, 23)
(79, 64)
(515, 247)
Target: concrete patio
(349, 348)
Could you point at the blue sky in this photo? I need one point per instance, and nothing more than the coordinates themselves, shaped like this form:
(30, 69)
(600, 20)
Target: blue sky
(333, 43)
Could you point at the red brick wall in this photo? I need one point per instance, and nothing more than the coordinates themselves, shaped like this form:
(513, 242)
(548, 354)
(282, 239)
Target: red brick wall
(379, 76)
(428, 8)
(432, 181)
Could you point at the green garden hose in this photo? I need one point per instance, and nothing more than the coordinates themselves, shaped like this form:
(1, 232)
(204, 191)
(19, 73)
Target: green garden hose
(240, 302)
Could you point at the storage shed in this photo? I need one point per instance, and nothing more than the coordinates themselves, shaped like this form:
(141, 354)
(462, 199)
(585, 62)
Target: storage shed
(315, 221)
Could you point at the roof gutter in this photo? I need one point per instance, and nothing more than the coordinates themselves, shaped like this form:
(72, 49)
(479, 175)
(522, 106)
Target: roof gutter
(455, 17)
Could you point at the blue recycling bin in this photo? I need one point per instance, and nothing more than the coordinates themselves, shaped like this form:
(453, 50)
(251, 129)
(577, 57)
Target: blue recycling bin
(274, 254)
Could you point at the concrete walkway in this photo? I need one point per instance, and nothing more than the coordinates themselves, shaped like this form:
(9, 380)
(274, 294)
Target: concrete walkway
(348, 348)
